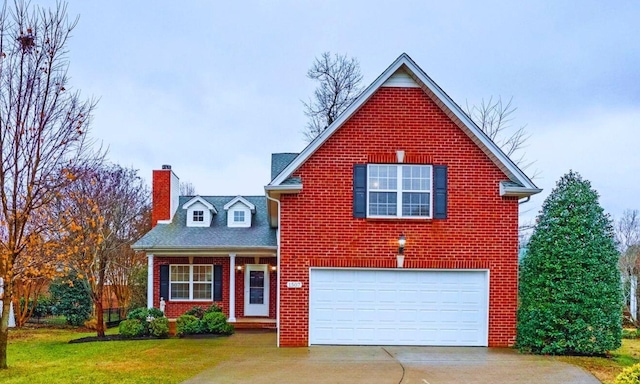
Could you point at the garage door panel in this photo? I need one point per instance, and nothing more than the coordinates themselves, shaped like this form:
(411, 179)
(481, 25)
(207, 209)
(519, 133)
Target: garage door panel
(398, 307)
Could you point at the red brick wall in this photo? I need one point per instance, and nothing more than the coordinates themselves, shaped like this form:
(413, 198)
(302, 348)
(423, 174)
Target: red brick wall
(318, 228)
(174, 309)
(161, 199)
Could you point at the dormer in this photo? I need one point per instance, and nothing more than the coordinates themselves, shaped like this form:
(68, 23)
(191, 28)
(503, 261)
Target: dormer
(199, 212)
(239, 212)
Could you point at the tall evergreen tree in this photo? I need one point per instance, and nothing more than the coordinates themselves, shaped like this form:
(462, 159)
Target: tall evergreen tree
(570, 293)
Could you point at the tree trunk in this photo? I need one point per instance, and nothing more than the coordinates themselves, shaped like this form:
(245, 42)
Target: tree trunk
(97, 301)
(4, 327)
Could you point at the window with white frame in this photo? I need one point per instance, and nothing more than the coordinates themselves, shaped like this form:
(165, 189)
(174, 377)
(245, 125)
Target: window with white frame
(198, 216)
(191, 282)
(399, 190)
(238, 216)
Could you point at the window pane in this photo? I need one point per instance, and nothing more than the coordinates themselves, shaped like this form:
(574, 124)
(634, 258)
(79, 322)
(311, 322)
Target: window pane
(202, 291)
(202, 273)
(383, 177)
(415, 204)
(179, 291)
(416, 177)
(383, 203)
(179, 273)
(198, 215)
(238, 216)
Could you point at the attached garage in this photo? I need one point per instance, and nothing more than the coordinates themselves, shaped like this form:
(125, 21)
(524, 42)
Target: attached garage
(398, 307)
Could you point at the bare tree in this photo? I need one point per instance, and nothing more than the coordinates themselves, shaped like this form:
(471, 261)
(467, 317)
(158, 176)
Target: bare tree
(494, 118)
(339, 79)
(187, 188)
(627, 232)
(106, 210)
(43, 129)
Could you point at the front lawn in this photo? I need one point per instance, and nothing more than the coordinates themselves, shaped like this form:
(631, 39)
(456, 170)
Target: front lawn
(606, 369)
(45, 356)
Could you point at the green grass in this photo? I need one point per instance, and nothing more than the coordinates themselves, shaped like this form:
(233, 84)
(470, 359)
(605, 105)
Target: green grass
(45, 356)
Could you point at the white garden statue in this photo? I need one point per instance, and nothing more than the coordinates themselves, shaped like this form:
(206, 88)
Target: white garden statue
(162, 304)
(12, 317)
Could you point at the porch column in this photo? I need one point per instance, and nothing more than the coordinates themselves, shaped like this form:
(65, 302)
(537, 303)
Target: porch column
(232, 287)
(150, 280)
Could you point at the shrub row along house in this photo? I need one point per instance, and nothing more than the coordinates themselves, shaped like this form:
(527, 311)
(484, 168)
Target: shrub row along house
(398, 225)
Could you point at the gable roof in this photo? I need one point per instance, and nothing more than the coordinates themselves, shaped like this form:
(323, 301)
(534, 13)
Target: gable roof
(199, 199)
(177, 237)
(520, 185)
(279, 161)
(241, 199)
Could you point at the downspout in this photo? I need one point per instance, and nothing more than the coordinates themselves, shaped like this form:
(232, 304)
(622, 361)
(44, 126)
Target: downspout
(279, 271)
(525, 200)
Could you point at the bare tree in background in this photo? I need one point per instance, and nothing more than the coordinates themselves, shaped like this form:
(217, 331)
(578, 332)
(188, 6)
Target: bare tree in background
(43, 130)
(494, 118)
(187, 189)
(339, 79)
(627, 232)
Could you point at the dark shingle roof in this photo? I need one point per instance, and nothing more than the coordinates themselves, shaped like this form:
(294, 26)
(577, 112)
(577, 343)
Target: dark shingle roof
(279, 162)
(177, 235)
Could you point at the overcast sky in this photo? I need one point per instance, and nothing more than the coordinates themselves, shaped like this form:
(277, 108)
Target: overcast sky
(213, 88)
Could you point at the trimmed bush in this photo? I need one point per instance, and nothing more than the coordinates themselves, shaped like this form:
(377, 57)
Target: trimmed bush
(132, 328)
(155, 313)
(630, 375)
(213, 308)
(196, 311)
(570, 294)
(216, 322)
(70, 298)
(188, 325)
(138, 314)
(159, 327)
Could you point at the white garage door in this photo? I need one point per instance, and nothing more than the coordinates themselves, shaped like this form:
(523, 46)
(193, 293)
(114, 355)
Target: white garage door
(398, 307)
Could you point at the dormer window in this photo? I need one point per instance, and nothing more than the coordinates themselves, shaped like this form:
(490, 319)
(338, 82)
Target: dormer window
(239, 212)
(238, 216)
(199, 212)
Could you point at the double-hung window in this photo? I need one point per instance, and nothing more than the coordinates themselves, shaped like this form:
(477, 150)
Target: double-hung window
(399, 191)
(191, 282)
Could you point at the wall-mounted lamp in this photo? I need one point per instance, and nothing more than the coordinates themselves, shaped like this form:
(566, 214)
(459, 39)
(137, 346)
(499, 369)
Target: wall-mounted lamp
(239, 268)
(274, 268)
(401, 242)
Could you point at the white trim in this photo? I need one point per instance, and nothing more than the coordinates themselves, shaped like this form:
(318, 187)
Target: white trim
(241, 199)
(285, 187)
(498, 157)
(150, 280)
(256, 309)
(191, 282)
(509, 190)
(200, 199)
(232, 287)
(399, 191)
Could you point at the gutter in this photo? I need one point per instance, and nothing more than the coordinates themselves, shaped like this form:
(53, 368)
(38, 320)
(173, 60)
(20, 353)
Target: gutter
(279, 270)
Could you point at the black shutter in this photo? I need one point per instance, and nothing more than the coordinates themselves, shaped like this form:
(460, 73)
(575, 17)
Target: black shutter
(164, 282)
(440, 191)
(360, 190)
(217, 283)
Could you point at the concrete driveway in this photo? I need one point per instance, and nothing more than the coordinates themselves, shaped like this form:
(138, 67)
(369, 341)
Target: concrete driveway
(257, 360)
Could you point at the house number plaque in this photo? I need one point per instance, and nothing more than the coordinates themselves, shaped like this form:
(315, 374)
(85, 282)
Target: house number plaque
(294, 284)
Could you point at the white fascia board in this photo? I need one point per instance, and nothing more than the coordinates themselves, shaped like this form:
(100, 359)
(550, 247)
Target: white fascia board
(287, 188)
(520, 192)
(199, 199)
(241, 199)
(190, 251)
(479, 137)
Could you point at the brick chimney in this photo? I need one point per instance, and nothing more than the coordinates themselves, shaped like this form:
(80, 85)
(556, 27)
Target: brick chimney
(166, 191)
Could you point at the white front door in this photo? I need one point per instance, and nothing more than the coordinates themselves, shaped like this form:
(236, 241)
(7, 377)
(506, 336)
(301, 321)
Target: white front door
(256, 290)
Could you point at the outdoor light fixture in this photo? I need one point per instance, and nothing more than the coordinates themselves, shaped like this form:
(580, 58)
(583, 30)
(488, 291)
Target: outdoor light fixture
(400, 256)
(239, 268)
(401, 242)
(274, 268)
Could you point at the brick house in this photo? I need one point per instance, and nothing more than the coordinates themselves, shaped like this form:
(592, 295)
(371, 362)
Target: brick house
(396, 226)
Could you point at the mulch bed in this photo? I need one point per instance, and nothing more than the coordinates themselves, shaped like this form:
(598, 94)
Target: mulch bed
(91, 339)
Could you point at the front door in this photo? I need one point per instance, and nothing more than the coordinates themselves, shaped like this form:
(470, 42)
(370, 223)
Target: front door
(256, 290)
